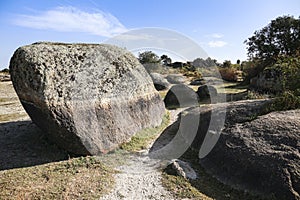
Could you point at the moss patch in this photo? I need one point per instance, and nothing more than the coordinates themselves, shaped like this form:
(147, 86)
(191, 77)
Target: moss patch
(143, 138)
(84, 178)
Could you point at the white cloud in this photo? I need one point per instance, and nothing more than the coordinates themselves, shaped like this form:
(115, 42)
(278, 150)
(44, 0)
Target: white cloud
(217, 43)
(217, 35)
(133, 37)
(71, 19)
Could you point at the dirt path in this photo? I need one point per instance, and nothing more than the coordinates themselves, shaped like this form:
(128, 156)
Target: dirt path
(140, 178)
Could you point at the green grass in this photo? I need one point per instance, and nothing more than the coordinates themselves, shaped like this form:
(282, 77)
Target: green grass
(142, 139)
(181, 187)
(84, 178)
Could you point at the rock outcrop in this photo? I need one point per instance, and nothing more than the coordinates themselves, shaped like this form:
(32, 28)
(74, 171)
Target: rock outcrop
(160, 83)
(260, 156)
(87, 98)
(242, 146)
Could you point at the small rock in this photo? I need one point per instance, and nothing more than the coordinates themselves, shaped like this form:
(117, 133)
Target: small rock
(197, 82)
(4, 77)
(180, 168)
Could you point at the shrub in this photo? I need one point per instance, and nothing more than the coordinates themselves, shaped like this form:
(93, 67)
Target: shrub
(287, 101)
(289, 69)
(5, 70)
(251, 69)
(228, 73)
(192, 74)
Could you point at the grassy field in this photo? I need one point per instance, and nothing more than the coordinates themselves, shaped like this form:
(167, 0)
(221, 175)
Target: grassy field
(84, 178)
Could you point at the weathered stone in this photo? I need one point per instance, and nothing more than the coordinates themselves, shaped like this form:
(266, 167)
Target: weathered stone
(180, 96)
(176, 78)
(260, 156)
(255, 151)
(180, 168)
(197, 82)
(4, 77)
(206, 91)
(87, 98)
(160, 83)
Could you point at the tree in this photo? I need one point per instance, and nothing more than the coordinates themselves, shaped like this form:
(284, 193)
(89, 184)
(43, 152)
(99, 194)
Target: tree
(279, 38)
(227, 63)
(148, 57)
(166, 60)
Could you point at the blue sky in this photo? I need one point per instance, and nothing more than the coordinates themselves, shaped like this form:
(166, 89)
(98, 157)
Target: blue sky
(219, 27)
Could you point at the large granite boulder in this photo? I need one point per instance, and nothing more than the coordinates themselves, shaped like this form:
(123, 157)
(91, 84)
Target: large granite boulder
(87, 98)
(180, 96)
(241, 145)
(160, 83)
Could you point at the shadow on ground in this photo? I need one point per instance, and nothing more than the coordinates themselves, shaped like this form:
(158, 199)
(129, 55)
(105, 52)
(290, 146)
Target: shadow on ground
(23, 144)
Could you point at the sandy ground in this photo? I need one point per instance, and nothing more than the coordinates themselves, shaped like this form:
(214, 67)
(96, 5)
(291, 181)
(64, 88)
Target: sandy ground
(10, 106)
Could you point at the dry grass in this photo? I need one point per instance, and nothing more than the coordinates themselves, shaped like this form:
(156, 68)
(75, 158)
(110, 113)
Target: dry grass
(77, 178)
(11, 116)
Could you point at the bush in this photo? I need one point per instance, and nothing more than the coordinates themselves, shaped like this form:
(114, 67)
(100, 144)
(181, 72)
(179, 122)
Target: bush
(287, 101)
(289, 69)
(5, 70)
(251, 69)
(191, 74)
(228, 73)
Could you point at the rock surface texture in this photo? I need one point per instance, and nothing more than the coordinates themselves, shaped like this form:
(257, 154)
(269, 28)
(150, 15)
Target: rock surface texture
(255, 151)
(261, 156)
(160, 83)
(176, 78)
(87, 98)
(180, 96)
(206, 91)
